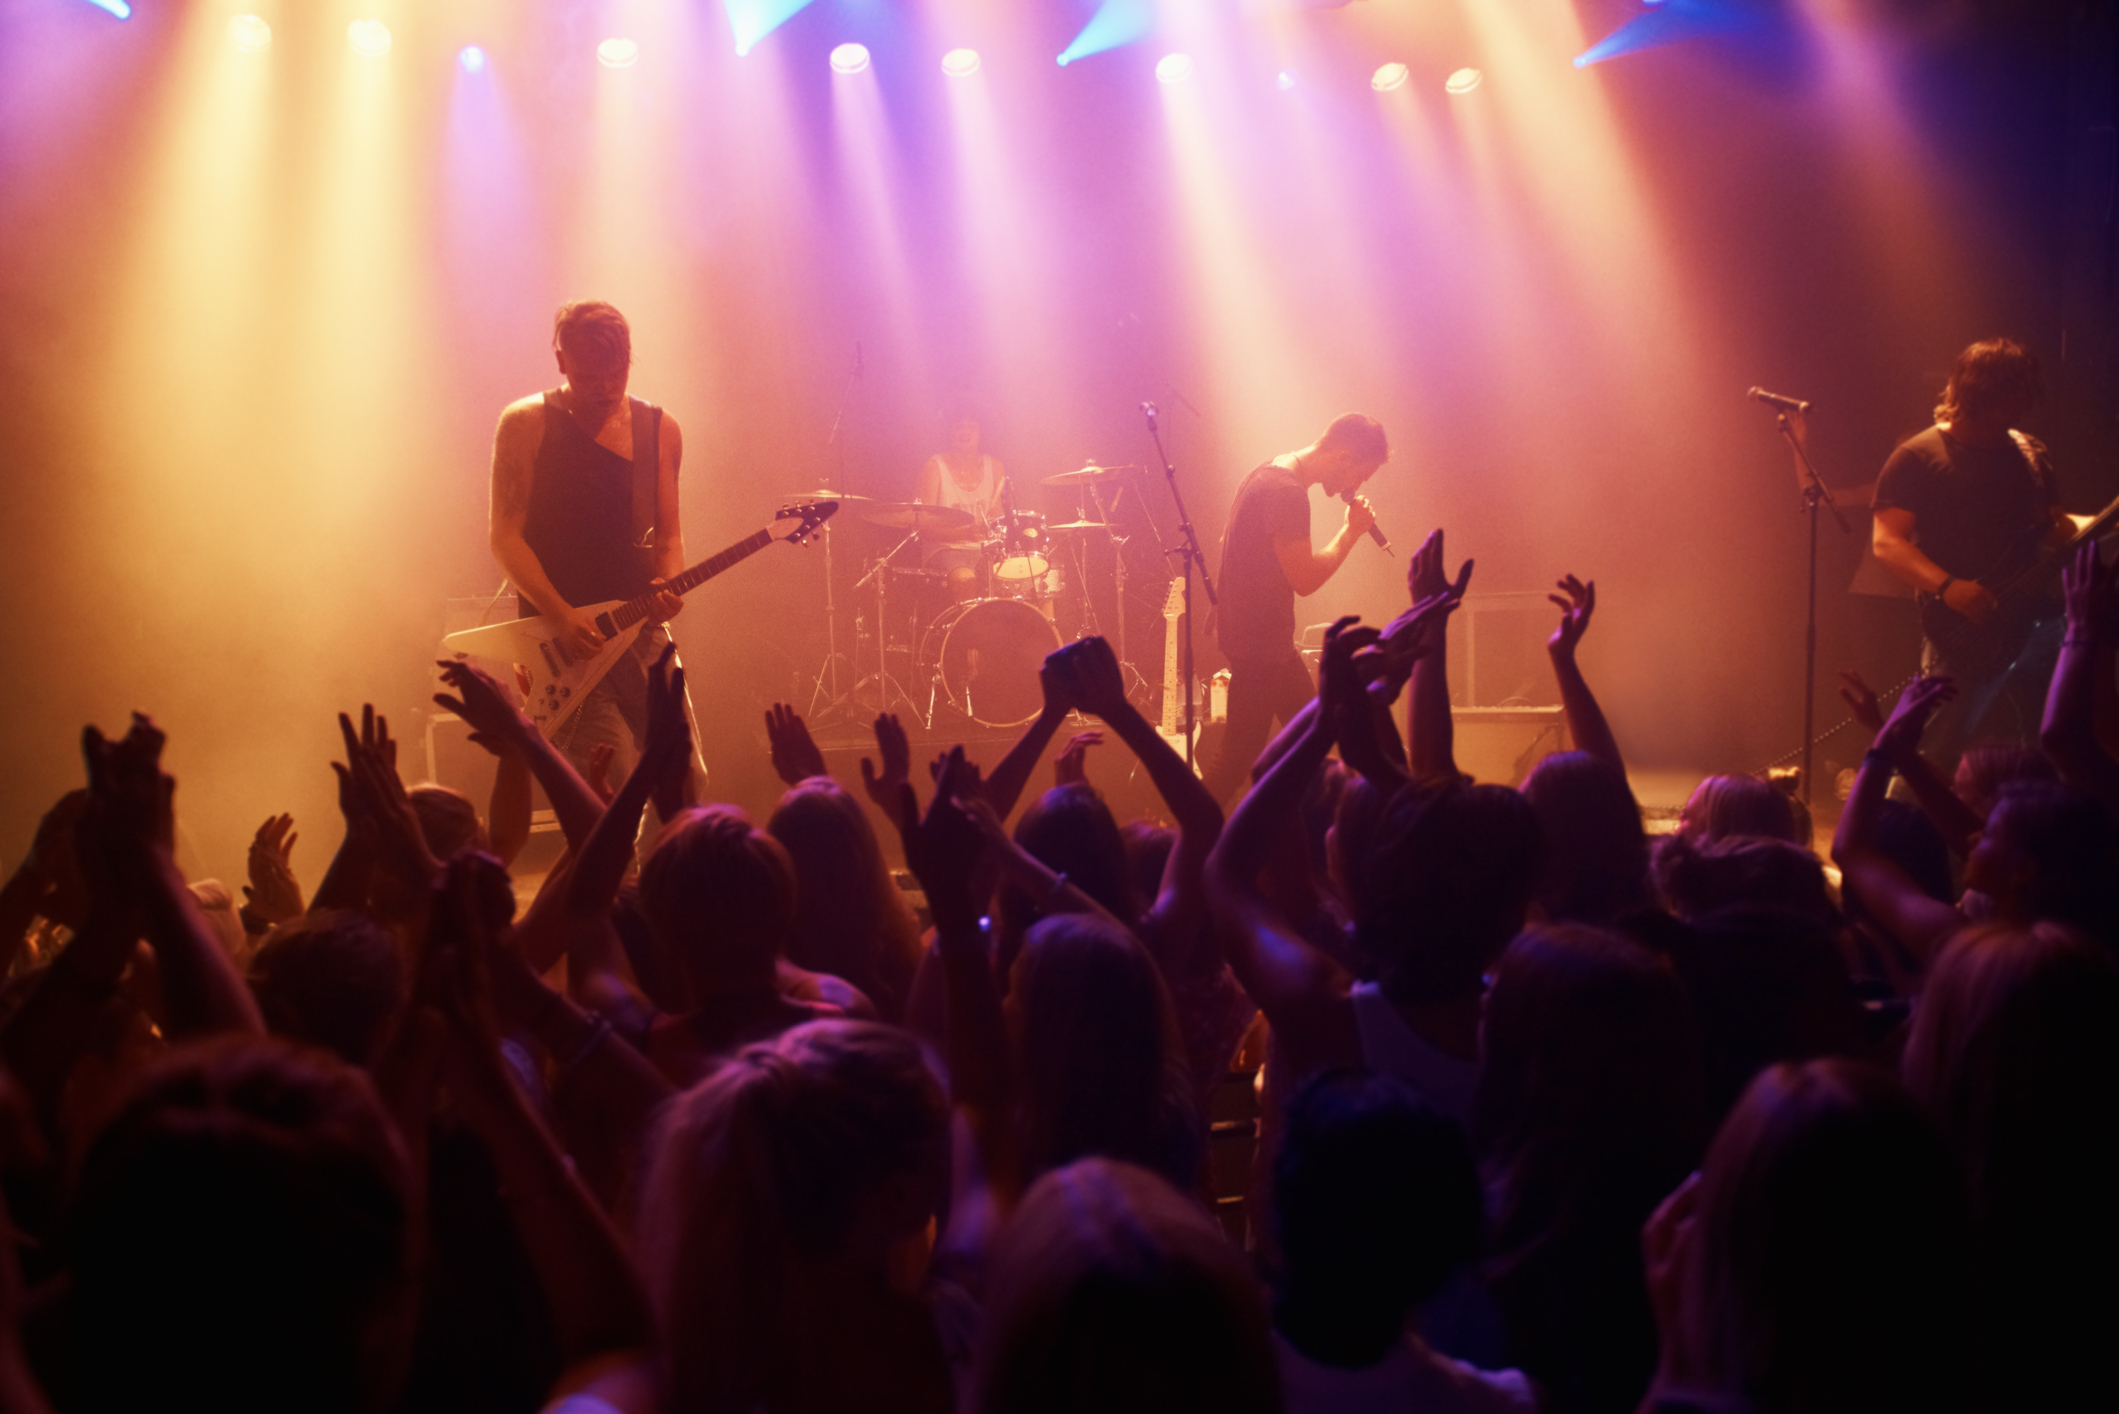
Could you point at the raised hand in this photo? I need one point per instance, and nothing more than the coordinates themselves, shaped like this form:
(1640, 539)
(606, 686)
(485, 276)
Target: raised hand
(129, 818)
(1056, 676)
(945, 848)
(794, 752)
(1577, 602)
(1917, 705)
(1099, 687)
(888, 788)
(377, 807)
(273, 893)
(1071, 766)
(496, 723)
(666, 751)
(1861, 700)
(2092, 594)
(598, 775)
(1343, 700)
(1424, 576)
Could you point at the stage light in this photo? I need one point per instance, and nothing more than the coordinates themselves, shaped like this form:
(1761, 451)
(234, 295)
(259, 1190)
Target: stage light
(117, 7)
(618, 53)
(471, 59)
(1389, 76)
(960, 63)
(1115, 22)
(250, 33)
(849, 58)
(1674, 22)
(1463, 81)
(752, 20)
(369, 37)
(1285, 81)
(1174, 68)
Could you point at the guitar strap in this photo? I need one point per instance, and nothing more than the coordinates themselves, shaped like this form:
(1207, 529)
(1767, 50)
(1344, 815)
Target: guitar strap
(647, 460)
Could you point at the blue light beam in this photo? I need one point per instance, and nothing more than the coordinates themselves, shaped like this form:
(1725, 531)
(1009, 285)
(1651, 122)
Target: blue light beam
(752, 20)
(1672, 22)
(1115, 22)
(116, 7)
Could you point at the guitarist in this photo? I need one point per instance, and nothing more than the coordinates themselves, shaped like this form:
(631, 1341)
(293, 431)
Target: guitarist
(1959, 509)
(585, 509)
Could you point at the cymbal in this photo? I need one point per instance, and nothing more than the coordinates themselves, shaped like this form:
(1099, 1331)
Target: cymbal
(1083, 475)
(841, 496)
(1078, 525)
(916, 515)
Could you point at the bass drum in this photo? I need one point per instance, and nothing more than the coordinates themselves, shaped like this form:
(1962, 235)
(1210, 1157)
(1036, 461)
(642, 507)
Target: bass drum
(983, 658)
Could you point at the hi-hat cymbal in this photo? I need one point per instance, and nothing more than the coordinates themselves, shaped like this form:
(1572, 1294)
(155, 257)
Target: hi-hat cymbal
(1083, 475)
(1078, 525)
(916, 515)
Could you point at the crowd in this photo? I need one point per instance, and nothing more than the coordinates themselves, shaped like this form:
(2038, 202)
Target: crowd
(1557, 1115)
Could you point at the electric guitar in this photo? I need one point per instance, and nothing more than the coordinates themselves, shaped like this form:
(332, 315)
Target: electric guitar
(559, 679)
(1173, 723)
(2021, 580)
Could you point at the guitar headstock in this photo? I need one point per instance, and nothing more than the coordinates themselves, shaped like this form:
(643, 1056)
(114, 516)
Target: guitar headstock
(798, 521)
(1174, 605)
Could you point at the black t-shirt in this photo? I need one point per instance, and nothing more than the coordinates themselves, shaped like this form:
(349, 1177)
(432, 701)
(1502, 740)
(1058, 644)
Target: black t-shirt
(1970, 505)
(1256, 617)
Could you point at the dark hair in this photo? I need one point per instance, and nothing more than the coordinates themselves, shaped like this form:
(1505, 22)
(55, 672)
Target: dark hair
(1148, 848)
(1112, 1292)
(1767, 984)
(1071, 831)
(1376, 1201)
(1353, 432)
(2064, 846)
(1986, 373)
(595, 330)
(1103, 1066)
(1442, 885)
(719, 893)
(1697, 879)
(241, 1238)
(1596, 852)
(1831, 1263)
(448, 821)
(330, 978)
(1987, 766)
(851, 919)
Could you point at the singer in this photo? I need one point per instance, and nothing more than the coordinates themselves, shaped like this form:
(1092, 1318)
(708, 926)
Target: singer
(1266, 560)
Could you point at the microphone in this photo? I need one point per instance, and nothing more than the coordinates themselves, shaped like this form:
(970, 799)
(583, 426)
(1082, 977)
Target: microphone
(1778, 400)
(1375, 530)
(1149, 409)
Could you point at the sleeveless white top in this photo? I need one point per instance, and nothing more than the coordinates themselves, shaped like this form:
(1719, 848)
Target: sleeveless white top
(980, 494)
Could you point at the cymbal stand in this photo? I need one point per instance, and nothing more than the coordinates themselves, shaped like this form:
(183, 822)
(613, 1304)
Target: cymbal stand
(1191, 555)
(834, 698)
(886, 685)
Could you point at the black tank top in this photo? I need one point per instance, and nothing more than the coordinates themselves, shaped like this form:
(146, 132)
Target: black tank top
(580, 521)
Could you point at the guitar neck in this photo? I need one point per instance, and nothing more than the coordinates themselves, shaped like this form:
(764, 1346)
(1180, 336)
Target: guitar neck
(2053, 558)
(634, 610)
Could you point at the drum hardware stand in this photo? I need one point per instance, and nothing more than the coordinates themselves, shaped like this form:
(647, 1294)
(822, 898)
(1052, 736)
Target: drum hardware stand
(888, 688)
(1815, 494)
(835, 700)
(1118, 557)
(1190, 555)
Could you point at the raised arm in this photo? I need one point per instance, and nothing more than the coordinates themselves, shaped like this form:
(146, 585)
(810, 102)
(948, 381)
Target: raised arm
(1957, 822)
(1431, 732)
(795, 755)
(1005, 786)
(501, 728)
(1585, 719)
(2069, 733)
(1301, 991)
(1921, 923)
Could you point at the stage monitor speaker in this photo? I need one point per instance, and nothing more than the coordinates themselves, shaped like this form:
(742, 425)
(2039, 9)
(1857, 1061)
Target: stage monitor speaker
(1500, 745)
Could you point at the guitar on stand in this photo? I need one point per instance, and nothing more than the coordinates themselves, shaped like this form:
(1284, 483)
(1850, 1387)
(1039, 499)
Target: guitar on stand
(1172, 726)
(556, 681)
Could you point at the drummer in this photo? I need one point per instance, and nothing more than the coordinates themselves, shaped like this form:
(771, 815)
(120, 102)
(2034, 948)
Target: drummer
(968, 478)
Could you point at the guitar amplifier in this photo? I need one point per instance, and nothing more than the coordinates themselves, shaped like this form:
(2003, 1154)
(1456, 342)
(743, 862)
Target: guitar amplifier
(1500, 745)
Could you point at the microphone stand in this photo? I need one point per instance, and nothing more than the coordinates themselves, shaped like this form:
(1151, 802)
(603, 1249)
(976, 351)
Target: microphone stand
(1815, 494)
(1190, 554)
(833, 699)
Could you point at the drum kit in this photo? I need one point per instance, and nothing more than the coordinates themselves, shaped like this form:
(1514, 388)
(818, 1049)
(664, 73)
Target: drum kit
(987, 602)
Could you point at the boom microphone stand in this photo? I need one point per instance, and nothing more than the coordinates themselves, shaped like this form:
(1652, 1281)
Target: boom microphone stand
(1190, 554)
(1815, 494)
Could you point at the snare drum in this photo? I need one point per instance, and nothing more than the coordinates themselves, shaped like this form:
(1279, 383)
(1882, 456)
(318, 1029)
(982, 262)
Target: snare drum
(1024, 553)
(984, 658)
(1042, 592)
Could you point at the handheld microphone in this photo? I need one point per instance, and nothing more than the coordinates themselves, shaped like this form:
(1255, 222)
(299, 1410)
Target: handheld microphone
(1149, 409)
(1778, 400)
(1375, 530)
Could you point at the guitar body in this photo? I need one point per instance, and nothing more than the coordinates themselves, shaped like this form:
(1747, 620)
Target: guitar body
(558, 681)
(2024, 583)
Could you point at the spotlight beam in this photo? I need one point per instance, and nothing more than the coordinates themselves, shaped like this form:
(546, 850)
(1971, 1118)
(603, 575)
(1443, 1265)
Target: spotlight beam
(1672, 22)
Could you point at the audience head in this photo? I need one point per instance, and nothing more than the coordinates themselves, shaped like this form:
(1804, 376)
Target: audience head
(1830, 1263)
(1588, 1104)
(851, 919)
(1596, 853)
(1148, 847)
(1112, 1292)
(2050, 852)
(1070, 831)
(1375, 1202)
(1723, 806)
(720, 895)
(1697, 879)
(816, 1152)
(241, 1236)
(1442, 884)
(1767, 984)
(448, 820)
(1103, 1068)
(1988, 766)
(331, 979)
